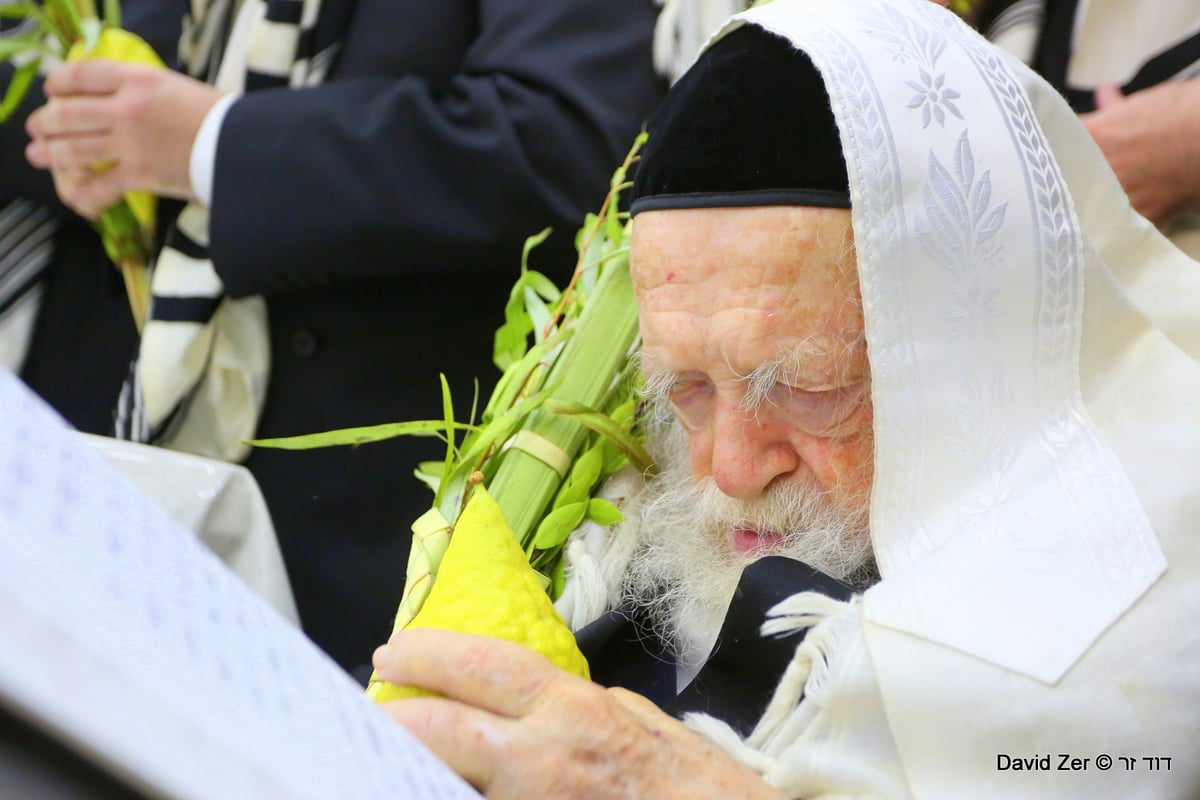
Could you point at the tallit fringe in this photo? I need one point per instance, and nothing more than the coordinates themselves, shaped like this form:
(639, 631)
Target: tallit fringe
(775, 748)
(798, 696)
(585, 597)
(596, 557)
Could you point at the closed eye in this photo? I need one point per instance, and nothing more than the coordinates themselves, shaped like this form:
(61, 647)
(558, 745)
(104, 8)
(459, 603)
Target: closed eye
(819, 413)
(691, 396)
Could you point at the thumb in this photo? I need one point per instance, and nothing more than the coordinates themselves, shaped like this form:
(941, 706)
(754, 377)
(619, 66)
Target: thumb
(1108, 94)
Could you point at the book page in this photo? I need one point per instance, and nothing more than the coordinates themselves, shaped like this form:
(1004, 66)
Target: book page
(123, 636)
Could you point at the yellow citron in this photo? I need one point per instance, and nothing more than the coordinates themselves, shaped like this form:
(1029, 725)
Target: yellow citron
(115, 44)
(485, 585)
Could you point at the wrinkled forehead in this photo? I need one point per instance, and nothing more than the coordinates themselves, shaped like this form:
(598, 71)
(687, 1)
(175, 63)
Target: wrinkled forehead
(746, 285)
(795, 250)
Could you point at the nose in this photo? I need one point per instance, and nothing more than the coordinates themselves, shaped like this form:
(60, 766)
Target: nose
(749, 451)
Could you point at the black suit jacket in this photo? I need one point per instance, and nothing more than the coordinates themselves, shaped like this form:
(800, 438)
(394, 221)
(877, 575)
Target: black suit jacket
(382, 216)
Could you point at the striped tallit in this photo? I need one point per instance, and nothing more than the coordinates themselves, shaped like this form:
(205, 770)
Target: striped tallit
(200, 377)
(1078, 44)
(26, 247)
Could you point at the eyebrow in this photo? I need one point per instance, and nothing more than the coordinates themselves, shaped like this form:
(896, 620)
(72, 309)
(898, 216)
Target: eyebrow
(786, 367)
(761, 380)
(657, 383)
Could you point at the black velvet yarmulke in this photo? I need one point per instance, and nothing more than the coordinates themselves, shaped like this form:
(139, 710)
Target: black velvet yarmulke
(748, 125)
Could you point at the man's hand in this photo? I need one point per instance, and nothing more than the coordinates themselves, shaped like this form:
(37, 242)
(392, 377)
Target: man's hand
(515, 726)
(1152, 141)
(140, 121)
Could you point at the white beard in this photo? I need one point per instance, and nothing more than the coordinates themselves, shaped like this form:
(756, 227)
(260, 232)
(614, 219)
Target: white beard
(683, 571)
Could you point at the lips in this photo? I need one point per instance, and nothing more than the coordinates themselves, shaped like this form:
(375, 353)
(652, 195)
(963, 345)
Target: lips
(747, 543)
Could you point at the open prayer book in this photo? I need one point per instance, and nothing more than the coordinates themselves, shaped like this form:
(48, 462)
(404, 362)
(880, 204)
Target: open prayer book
(142, 657)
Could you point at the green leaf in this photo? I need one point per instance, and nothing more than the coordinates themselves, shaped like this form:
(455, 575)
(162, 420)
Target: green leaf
(590, 258)
(123, 236)
(587, 230)
(112, 13)
(508, 344)
(525, 376)
(505, 390)
(509, 341)
(559, 579)
(448, 422)
(520, 319)
(68, 27)
(478, 448)
(542, 285)
(557, 526)
(623, 416)
(11, 46)
(474, 400)
(584, 474)
(18, 87)
(430, 479)
(357, 436)
(614, 462)
(430, 467)
(639, 141)
(614, 229)
(603, 513)
(503, 426)
(20, 11)
(539, 313)
(87, 9)
(602, 424)
(530, 243)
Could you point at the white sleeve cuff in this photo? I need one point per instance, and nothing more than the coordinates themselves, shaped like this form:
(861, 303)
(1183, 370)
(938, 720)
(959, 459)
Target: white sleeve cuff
(203, 163)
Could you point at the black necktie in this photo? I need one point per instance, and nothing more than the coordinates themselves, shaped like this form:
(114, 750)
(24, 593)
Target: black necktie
(739, 678)
(737, 681)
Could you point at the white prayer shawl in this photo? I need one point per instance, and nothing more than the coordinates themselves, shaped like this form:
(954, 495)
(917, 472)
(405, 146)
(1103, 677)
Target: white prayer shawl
(201, 375)
(1036, 506)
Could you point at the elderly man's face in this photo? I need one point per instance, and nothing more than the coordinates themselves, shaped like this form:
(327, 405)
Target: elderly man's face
(753, 331)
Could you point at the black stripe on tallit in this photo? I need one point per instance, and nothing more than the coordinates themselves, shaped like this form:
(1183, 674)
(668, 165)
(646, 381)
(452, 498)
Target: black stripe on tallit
(256, 81)
(184, 309)
(1055, 46)
(285, 11)
(180, 242)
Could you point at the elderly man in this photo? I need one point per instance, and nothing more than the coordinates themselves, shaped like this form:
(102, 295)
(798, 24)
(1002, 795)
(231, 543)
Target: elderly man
(862, 241)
